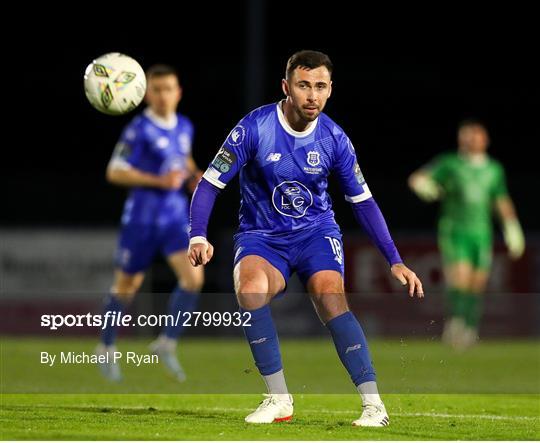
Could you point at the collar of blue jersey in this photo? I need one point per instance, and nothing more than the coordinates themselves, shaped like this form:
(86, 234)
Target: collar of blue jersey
(288, 129)
(169, 123)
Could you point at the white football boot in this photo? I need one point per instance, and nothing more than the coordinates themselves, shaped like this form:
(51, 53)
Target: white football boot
(165, 349)
(374, 416)
(109, 369)
(274, 408)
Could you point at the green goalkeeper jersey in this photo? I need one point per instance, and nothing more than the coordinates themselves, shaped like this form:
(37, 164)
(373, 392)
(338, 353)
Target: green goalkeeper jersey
(469, 191)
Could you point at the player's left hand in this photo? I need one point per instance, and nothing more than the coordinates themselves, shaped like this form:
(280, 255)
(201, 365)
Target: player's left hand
(408, 277)
(200, 253)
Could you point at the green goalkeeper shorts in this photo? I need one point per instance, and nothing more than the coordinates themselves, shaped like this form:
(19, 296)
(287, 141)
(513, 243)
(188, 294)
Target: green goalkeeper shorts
(470, 246)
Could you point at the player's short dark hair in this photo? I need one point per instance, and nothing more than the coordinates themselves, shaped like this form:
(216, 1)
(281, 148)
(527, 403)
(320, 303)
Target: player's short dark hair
(161, 70)
(468, 122)
(308, 59)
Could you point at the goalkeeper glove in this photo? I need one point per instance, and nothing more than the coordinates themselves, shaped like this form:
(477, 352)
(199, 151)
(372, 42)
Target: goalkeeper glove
(427, 189)
(514, 239)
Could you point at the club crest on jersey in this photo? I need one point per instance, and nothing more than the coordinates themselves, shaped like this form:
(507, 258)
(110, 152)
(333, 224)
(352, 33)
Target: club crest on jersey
(162, 142)
(237, 136)
(313, 158)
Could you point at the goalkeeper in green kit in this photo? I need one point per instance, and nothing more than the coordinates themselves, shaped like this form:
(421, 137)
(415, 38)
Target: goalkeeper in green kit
(470, 186)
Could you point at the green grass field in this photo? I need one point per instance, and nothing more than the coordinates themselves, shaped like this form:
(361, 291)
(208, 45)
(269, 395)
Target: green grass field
(491, 392)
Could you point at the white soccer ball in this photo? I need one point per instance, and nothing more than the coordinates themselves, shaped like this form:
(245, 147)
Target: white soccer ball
(114, 83)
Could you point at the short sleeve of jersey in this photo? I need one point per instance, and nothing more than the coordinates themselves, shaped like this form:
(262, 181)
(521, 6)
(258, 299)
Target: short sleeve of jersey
(128, 149)
(500, 188)
(235, 152)
(438, 168)
(348, 172)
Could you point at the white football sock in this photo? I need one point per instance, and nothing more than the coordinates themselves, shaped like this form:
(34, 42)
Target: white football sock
(369, 393)
(275, 383)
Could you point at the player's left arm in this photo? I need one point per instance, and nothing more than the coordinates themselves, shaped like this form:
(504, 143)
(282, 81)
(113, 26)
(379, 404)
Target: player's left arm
(369, 215)
(504, 207)
(511, 227)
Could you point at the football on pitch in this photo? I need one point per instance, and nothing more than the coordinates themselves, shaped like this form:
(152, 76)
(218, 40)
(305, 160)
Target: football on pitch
(114, 83)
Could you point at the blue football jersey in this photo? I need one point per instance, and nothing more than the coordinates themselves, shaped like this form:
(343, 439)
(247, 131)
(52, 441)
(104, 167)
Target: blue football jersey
(284, 173)
(156, 146)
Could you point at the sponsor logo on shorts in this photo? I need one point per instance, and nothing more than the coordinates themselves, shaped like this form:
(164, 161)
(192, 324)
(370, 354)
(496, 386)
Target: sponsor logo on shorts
(258, 342)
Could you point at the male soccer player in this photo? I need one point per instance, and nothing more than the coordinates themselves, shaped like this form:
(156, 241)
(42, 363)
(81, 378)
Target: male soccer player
(284, 153)
(469, 184)
(153, 158)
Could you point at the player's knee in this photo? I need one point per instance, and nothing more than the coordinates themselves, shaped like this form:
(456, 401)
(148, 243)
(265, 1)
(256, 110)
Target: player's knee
(248, 287)
(192, 283)
(252, 294)
(125, 291)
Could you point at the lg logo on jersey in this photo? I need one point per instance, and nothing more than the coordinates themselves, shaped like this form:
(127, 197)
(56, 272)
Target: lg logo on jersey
(292, 199)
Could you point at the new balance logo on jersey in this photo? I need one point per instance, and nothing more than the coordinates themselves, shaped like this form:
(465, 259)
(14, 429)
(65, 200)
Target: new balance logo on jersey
(353, 348)
(273, 157)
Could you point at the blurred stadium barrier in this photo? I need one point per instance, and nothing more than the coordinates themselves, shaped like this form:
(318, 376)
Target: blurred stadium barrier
(68, 271)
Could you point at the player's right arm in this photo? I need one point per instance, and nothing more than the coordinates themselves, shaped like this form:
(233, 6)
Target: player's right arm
(235, 152)
(122, 169)
(426, 181)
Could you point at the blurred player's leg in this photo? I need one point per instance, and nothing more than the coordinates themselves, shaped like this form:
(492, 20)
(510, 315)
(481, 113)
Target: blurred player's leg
(458, 279)
(184, 298)
(122, 292)
(256, 282)
(474, 307)
(328, 296)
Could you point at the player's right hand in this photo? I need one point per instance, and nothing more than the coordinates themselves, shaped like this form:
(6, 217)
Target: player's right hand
(172, 180)
(200, 253)
(426, 188)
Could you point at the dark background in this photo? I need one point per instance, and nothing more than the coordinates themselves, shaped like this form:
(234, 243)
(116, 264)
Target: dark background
(400, 87)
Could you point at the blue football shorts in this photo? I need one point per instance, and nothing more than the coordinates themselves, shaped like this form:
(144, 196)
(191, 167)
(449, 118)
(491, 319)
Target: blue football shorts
(305, 251)
(138, 244)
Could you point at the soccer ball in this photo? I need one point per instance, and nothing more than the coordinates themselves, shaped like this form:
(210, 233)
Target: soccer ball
(114, 83)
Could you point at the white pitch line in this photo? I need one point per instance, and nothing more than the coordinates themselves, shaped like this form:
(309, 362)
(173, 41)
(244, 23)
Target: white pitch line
(354, 411)
(393, 414)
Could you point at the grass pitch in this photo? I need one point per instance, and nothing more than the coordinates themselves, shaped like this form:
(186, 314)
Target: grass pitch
(491, 392)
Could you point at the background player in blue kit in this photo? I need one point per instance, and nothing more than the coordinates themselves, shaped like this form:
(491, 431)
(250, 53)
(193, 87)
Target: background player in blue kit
(284, 153)
(153, 158)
